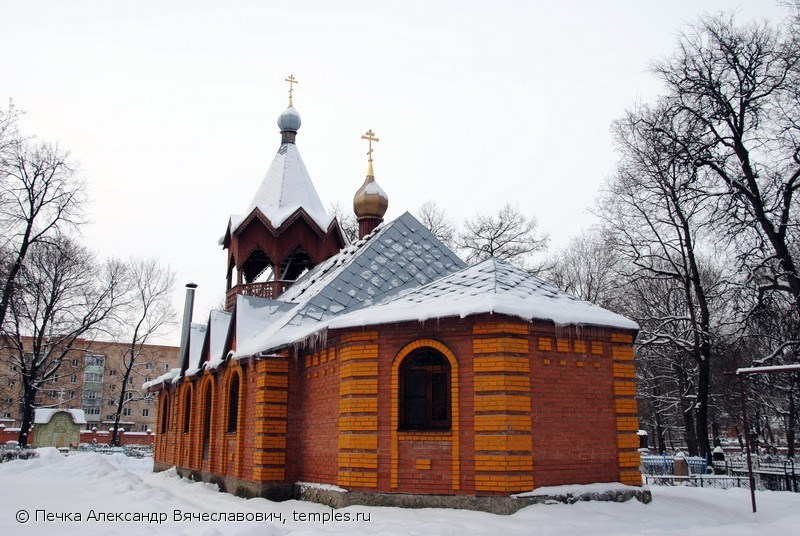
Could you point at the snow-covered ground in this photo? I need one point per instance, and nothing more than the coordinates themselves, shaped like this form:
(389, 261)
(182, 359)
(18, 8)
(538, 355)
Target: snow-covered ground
(97, 487)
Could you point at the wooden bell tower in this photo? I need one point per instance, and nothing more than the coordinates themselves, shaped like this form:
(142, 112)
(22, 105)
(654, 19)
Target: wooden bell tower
(285, 229)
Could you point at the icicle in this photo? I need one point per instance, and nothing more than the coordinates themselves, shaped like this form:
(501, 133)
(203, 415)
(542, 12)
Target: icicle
(313, 342)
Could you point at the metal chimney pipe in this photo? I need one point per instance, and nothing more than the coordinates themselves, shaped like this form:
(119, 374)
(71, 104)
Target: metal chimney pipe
(188, 306)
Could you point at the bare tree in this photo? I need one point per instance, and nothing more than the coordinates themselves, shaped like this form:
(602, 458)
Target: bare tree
(347, 221)
(734, 98)
(658, 208)
(665, 373)
(147, 312)
(9, 136)
(706, 206)
(768, 336)
(9, 139)
(434, 217)
(508, 235)
(63, 296)
(587, 268)
(41, 193)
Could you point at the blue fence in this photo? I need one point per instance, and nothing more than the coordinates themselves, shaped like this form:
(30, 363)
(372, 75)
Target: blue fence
(654, 464)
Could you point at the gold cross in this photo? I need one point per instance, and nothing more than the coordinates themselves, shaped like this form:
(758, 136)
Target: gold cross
(292, 80)
(370, 136)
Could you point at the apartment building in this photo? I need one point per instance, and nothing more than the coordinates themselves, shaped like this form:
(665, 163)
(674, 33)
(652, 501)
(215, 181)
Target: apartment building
(91, 378)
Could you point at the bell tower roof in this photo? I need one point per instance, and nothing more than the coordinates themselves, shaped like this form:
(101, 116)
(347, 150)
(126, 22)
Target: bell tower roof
(286, 188)
(284, 230)
(287, 185)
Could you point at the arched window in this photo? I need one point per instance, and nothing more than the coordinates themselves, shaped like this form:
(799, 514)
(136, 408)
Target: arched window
(233, 404)
(425, 391)
(164, 413)
(187, 411)
(207, 422)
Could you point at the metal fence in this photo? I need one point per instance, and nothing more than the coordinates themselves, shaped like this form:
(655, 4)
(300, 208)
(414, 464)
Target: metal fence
(700, 481)
(770, 473)
(133, 451)
(8, 453)
(665, 465)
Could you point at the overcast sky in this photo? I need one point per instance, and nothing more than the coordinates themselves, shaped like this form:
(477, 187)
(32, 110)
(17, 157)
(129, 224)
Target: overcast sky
(170, 107)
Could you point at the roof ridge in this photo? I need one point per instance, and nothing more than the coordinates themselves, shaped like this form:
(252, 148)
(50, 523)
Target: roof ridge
(494, 271)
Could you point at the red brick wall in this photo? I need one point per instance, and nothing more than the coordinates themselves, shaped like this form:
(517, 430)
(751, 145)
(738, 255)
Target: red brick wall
(315, 409)
(574, 429)
(456, 336)
(103, 438)
(536, 406)
(248, 421)
(572, 435)
(425, 465)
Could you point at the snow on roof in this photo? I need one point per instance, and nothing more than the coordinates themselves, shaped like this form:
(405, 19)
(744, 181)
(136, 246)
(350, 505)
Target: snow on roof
(253, 316)
(396, 256)
(220, 322)
(43, 415)
(286, 187)
(399, 272)
(170, 377)
(492, 286)
(197, 335)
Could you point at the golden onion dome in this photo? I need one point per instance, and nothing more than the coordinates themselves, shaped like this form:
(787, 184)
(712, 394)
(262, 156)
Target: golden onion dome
(370, 200)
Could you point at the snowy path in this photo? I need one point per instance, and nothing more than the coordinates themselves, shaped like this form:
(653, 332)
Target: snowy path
(84, 483)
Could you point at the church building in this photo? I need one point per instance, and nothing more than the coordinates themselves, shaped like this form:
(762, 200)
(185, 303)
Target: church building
(387, 371)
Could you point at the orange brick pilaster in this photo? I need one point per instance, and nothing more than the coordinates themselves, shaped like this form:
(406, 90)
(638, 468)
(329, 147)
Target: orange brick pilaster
(625, 409)
(358, 411)
(269, 456)
(503, 444)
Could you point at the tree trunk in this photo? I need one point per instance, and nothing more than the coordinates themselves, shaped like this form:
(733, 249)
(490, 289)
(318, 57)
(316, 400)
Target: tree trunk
(755, 433)
(11, 277)
(687, 412)
(769, 438)
(114, 440)
(701, 409)
(660, 442)
(701, 324)
(689, 431)
(739, 437)
(29, 399)
(790, 429)
(715, 433)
